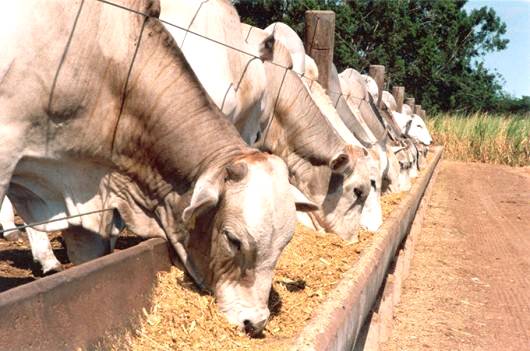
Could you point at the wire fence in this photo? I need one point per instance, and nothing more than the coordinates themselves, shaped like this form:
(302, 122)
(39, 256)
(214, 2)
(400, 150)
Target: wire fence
(252, 56)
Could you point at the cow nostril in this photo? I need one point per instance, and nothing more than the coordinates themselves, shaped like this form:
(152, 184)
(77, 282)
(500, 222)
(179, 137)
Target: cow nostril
(249, 327)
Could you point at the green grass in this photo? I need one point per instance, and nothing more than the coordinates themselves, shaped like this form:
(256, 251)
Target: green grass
(483, 137)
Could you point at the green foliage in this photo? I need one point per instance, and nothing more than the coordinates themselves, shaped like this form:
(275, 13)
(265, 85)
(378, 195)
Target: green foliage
(433, 48)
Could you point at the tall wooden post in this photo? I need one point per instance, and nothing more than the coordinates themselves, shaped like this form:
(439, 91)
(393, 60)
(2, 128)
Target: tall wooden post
(410, 101)
(417, 109)
(399, 94)
(377, 72)
(320, 41)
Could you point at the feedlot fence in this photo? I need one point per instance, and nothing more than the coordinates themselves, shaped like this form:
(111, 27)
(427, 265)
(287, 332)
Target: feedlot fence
(339, 94)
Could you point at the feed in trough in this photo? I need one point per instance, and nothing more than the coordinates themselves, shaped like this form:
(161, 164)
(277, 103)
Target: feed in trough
(310, 267)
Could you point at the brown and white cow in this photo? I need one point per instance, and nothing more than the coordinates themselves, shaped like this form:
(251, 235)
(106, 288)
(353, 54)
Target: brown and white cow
(246, 88)
(99, 111)
(329, 171)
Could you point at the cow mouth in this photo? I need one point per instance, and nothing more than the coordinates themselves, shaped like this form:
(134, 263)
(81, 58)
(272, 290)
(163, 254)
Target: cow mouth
(251, 331)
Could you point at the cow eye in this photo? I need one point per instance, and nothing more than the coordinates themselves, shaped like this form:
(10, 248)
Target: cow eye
(373, 184)
(358, 192)
(232, 239)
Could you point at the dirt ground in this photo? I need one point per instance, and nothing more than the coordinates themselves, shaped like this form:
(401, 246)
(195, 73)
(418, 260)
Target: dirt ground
(469, 285)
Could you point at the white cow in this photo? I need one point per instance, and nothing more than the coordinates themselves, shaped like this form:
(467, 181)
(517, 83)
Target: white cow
(411, 124)
(235, 81)
(245, 88)
(371, 216)
(107, 117)
(354, 86)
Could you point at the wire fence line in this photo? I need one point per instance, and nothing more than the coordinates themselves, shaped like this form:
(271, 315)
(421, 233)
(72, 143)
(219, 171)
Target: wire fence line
(124, 92)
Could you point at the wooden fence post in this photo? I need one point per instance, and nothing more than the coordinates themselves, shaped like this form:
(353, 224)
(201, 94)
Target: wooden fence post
(410, 101)
(377, 72)
(417, 109)
(399, 94)
(320, 41)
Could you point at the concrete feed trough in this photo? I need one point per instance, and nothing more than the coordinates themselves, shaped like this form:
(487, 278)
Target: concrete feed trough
(83, 305)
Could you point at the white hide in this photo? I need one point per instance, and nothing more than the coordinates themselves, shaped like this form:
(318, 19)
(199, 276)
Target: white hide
(418, 130)
(371, 86)
(361, 92)
(288, 37)
(389, 163)
(372, 215)
(406, 110)
(42, 251)
(7, 220)
(234, 81)
(413, 126)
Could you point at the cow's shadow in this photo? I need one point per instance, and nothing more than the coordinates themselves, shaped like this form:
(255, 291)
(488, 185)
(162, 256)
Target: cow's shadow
(15, 261)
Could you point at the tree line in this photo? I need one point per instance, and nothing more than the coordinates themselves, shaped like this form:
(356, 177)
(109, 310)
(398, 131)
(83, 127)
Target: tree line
(433, 48)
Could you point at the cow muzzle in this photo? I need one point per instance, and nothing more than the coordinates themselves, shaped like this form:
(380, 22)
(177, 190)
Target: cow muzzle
(254, 322)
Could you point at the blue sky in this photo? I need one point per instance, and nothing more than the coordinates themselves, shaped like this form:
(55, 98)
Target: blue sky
(512, 63)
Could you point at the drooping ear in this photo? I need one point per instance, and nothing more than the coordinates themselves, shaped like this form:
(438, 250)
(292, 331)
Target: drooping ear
(303, 204)
(340, 162)
(407, 127)
(266, 48)
(205, 195)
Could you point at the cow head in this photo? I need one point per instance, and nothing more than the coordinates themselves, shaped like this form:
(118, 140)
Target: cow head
(405, 163)
(371, 86)
(245, 216)
(417, 130)
(346, 194)
(372, 214)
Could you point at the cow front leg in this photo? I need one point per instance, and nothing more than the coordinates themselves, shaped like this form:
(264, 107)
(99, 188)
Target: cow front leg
(7, 220)
(83, 245)
(42, 251)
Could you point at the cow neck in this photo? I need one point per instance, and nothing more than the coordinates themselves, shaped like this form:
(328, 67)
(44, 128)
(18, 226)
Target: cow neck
(170, 130)
(375, 120)
(344, 111)
(353, 124)
(298, 126)
(302, 136)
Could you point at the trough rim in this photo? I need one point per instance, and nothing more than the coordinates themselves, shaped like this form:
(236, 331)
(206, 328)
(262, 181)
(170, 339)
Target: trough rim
(337, 323)
(55, 281)
(40, 315)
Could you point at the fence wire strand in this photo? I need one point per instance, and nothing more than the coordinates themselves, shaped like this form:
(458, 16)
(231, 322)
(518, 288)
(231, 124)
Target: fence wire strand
(124, 94)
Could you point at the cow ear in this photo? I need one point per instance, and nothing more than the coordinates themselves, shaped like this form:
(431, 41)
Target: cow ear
(205, 196)
(266, 49)
(340, 163)
(302, 203)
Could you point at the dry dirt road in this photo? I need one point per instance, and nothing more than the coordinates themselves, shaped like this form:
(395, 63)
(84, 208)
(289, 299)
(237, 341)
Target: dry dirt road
(469, 285)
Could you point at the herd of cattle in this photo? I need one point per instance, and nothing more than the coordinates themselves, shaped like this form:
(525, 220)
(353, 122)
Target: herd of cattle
(178, 121)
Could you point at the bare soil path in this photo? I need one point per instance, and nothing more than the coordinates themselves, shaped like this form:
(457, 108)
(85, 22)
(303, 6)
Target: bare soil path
(469, 285)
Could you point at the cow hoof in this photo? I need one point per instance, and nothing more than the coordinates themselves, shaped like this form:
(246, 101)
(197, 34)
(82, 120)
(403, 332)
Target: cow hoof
(14, 235)
(52, 268)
